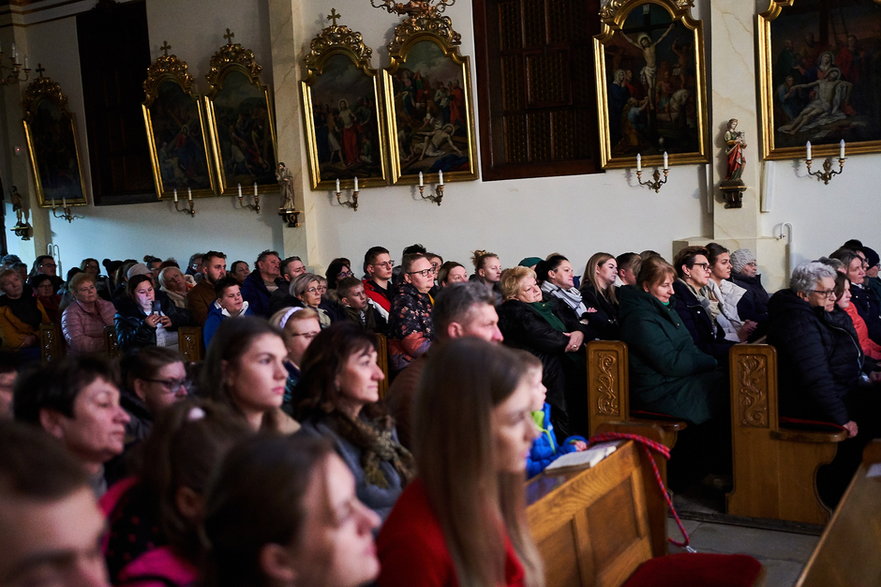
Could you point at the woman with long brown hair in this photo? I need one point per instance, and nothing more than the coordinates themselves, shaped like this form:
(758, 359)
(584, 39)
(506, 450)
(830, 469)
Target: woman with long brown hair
(463, 520)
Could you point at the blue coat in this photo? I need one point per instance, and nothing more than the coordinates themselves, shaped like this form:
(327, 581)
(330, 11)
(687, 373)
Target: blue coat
(544, 449)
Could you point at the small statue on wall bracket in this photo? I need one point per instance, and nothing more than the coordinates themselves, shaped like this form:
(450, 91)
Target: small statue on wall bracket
(22, 228)
(733, 187)
(288, 211)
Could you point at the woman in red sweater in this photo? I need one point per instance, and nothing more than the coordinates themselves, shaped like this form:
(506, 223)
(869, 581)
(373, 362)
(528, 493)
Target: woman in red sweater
(462, 521)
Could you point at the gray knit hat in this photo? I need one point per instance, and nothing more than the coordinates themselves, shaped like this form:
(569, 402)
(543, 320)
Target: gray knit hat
(740, 258)
(137, 269)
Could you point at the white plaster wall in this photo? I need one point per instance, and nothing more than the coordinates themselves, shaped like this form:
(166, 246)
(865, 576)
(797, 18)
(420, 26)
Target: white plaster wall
(576, 215)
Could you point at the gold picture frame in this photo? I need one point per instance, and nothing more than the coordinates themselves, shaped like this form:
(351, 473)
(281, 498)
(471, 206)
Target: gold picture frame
(50, 132)
(797, 48)
(344, 142)
(651, 83)
(241, 121)
(180, 157)
(429, 104)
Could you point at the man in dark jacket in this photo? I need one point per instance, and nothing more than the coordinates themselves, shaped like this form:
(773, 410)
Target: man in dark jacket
(264, 280)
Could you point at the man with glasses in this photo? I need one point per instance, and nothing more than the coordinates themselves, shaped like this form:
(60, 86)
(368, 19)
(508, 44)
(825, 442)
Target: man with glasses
(410, 327)
(378, 266)
(45, 265)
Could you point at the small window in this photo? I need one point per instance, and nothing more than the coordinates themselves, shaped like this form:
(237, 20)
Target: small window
(114, 55)
(535, 81)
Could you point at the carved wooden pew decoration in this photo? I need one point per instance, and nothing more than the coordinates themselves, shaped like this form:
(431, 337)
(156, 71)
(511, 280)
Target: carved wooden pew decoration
(189, 341)
(52, 344)
(608, 391)
(774, 467)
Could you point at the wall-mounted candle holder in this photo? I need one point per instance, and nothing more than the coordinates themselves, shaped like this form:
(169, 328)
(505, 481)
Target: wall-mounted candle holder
(255, 198)
(188, 208)
(438, 194)
(656, 182)
(351, 202)
(828, 173)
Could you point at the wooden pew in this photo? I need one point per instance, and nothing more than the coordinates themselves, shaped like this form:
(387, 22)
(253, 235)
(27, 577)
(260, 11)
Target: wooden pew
(52, 344)
(190, 343)
(592, 526)
(382, 361)
(774, 467)
(849, 551)
(595, 527)
(608, 393)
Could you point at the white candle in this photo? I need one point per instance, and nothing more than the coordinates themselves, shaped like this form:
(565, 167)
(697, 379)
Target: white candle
(356, 183)
(13, 52)
(639, 162)
(338, 184)
(26, 63)
(189, 194)
(440, 177)
(63, 202)
(841, 149)
(175, 195)
(808, 148)
(421, 183)
(255, 188)
(240, 190)
(666, 161)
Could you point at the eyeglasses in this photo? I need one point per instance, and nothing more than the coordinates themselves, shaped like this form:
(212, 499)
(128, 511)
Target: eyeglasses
(826, 293)
(173, 385)
(423, 273)
(344, 274)
(306, 335)
(48, 265)
(704, 266)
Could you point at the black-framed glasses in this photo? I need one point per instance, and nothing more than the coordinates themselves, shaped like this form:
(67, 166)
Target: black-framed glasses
(826, 293)
(173, 385)
(423, 273)
(704, 266)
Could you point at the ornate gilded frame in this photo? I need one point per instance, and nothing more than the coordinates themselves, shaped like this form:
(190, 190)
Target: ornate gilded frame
(241, 121)
(425, 50)
(53, 150)
(853, 113)
(180, 158)
(651, 109)
(343, 144)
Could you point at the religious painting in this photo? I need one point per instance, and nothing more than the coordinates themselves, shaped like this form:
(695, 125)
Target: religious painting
(240, 122)
(342, 106)
(819, 77)
(52, 145)
(176, 131)
(651, 88)
(429, 110)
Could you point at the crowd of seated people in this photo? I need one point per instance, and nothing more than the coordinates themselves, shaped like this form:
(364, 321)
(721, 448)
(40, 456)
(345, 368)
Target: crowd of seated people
(218, 471)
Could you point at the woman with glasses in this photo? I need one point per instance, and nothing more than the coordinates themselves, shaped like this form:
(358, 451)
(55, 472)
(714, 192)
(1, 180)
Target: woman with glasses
(308, 290)
(697, 305)
(84, 320)
(153, 378)
(299, 326)
(410, 328)
(338, 270)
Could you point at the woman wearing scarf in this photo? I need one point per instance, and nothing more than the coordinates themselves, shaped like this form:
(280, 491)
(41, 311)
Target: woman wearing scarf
(550, 331)
(697, 305)
(340, 401)
(20, 316)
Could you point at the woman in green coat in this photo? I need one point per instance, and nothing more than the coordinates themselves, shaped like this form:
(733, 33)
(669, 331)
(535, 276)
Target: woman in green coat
(668, 373)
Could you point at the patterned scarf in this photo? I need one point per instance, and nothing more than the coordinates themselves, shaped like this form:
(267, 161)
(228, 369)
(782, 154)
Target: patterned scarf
(571, 296)
(377, 444)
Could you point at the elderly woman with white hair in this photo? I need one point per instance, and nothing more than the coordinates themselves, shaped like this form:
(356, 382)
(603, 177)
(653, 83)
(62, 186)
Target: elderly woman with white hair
(819, 368)
(745, 273)
(172, 282)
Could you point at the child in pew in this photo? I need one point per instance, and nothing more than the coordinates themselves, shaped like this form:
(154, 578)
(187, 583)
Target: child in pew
(545, 448)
